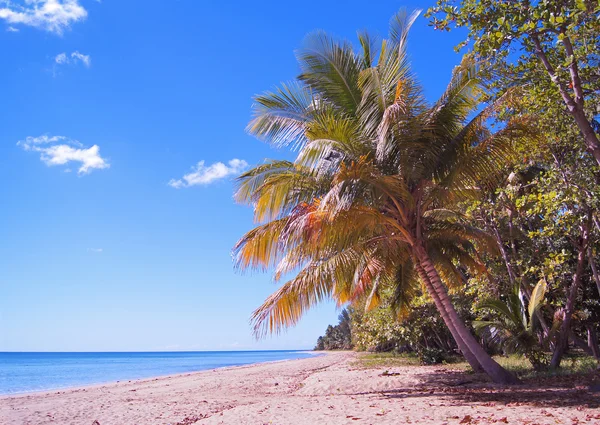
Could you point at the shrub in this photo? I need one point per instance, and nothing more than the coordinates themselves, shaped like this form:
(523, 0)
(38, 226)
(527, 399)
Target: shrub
(430, 356)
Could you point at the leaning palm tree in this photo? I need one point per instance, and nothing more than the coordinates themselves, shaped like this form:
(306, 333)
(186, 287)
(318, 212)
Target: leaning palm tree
(371, 199)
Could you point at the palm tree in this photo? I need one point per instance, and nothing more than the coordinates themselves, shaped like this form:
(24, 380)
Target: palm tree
(371, 199)
(516, 327)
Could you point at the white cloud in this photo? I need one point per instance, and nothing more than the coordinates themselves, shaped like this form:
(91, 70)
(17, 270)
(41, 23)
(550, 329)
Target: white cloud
(87, 61)
(63, 58)
(203, 175)
(29, 142)
(95, 250)
(12, 29)
(62, 154)
(50, 15)
(60, 150)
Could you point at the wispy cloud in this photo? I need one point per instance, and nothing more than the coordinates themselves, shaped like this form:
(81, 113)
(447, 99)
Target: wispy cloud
(85, 59)
(60, 150)
(12, 29)
(74, 58)
(95, 250)
(203, 175)
(49, 15)
(61, 58)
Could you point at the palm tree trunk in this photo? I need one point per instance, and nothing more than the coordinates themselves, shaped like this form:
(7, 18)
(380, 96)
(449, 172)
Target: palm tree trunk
(489, 365)
(565, 327)
(464, 349)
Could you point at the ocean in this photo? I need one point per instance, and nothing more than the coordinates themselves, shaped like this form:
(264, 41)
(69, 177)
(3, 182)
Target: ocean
(28, 372)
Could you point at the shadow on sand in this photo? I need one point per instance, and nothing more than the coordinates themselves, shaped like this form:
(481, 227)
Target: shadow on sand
(460, 387)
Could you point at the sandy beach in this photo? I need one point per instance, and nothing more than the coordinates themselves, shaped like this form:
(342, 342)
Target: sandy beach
(329, 389)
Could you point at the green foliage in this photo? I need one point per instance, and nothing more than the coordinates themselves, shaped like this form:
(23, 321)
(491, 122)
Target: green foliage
(496, 25)
(338, 337)
(514, 326)
(538, 216)
(386, 360)
(548, 50)
(421, 332)
(431, 356)
(385, 182)
(576, 363)
(566, 31)
(376, 181)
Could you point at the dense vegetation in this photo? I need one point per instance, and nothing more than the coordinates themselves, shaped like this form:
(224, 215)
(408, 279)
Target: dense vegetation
(468, 225)
(338, 337)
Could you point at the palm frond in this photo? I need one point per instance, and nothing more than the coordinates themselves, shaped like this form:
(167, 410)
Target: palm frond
(536, 299)
(286, 306)
(400, 25)
(277, 187)
(331, 68)
(260, 248)
(406, 289)
(379, 82)
(317, 281)
(502, 309)
(280, 116)
(460, 99)
(379, 177)
(369, 51)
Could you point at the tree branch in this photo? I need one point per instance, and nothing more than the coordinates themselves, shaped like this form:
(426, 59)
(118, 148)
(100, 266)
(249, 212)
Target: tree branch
(539, 51)
(574, 71)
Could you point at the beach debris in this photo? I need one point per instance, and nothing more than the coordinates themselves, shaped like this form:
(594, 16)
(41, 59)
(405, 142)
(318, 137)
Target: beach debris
(189, 420)
(96, 422)
(466, 420)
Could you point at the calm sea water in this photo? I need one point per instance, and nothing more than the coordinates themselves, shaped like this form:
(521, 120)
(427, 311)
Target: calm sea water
(26, 372)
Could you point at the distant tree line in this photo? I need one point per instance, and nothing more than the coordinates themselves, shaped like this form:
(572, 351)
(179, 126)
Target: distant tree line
(338, 337)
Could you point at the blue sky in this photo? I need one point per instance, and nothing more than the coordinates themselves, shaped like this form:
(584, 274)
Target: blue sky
(122, 128)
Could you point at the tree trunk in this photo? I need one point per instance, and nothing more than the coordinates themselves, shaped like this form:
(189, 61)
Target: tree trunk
(575, 106)
(523, 285)
(565, 327)
(509, 269)
(443, 342)
(581, 343)
(589, 135)
(464, 349)
(591, 330)
(496, 372)
(593, 340)
(592, 262)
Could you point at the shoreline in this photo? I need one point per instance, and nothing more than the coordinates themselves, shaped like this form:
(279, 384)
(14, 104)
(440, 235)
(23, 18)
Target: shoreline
(155, 377)
(332, 389)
